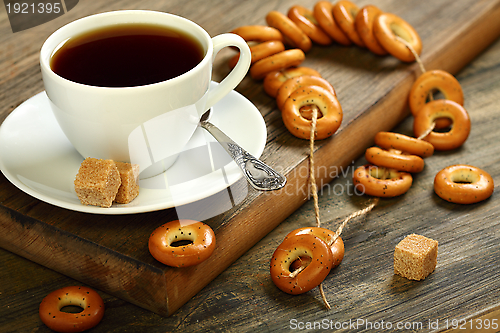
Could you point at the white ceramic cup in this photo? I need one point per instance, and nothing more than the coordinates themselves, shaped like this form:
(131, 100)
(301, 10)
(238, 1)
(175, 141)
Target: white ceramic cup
(149, 124)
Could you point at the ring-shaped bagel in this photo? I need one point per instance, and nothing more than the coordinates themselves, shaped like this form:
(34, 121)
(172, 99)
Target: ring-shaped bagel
(327, 104)
(344, 13)
(387, 26)
(276, 62)
(292, 34)
(258, 33)
(463, 184)
(59, 321)
(327, 236)
(381, 182)
(392, 160)
(275, 79)
(426, 83)
(437, 79)
(291, 249)
(305, 20)
(200, 235)
(443, 108)
(260, 51)
(323, 14)
(407, 144)
(364, 26)
(294, 83)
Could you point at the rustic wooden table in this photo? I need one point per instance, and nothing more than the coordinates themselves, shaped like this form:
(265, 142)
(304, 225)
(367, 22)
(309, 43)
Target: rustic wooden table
(238, 294)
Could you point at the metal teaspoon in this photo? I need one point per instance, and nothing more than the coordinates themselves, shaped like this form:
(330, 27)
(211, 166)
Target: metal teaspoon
(258, 174)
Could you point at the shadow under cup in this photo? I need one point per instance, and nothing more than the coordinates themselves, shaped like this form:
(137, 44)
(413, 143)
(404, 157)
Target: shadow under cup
(147, 124)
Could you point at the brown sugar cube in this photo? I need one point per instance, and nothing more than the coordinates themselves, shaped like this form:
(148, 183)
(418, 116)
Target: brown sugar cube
(97, 182)
(415, 257)
(129, 189)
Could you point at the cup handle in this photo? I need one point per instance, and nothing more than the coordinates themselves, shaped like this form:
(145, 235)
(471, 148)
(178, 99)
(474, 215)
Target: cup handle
(239, 71)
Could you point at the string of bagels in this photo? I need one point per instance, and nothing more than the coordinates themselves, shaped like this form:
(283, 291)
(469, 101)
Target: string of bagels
(310, 110)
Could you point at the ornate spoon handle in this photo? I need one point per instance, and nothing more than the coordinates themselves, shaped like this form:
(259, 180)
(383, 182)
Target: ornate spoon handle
(259, 175)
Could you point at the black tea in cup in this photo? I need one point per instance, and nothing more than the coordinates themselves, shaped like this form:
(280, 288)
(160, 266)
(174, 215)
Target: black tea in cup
(127, 55)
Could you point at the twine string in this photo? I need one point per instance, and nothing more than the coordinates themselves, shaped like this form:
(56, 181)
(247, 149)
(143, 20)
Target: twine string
(422, 69)
(296, 272)
(314, 190)
(323, 296)
(363, 211)
(412, 50)
(312, 178)
(429, 130)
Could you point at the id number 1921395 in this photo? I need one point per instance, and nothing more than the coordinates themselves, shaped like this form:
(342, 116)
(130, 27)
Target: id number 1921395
(471, 324)
(33, 8)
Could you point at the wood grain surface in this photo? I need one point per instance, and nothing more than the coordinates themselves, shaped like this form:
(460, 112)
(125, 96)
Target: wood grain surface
(372, 91)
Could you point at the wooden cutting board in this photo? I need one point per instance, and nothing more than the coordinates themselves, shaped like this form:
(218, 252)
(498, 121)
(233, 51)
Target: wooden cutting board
(110, 252)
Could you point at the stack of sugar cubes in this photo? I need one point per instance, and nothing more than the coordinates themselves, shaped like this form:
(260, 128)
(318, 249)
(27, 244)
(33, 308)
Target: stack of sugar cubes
(102, 182)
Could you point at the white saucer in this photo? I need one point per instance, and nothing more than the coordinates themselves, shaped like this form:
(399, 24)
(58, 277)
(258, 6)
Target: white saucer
(36, 156)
